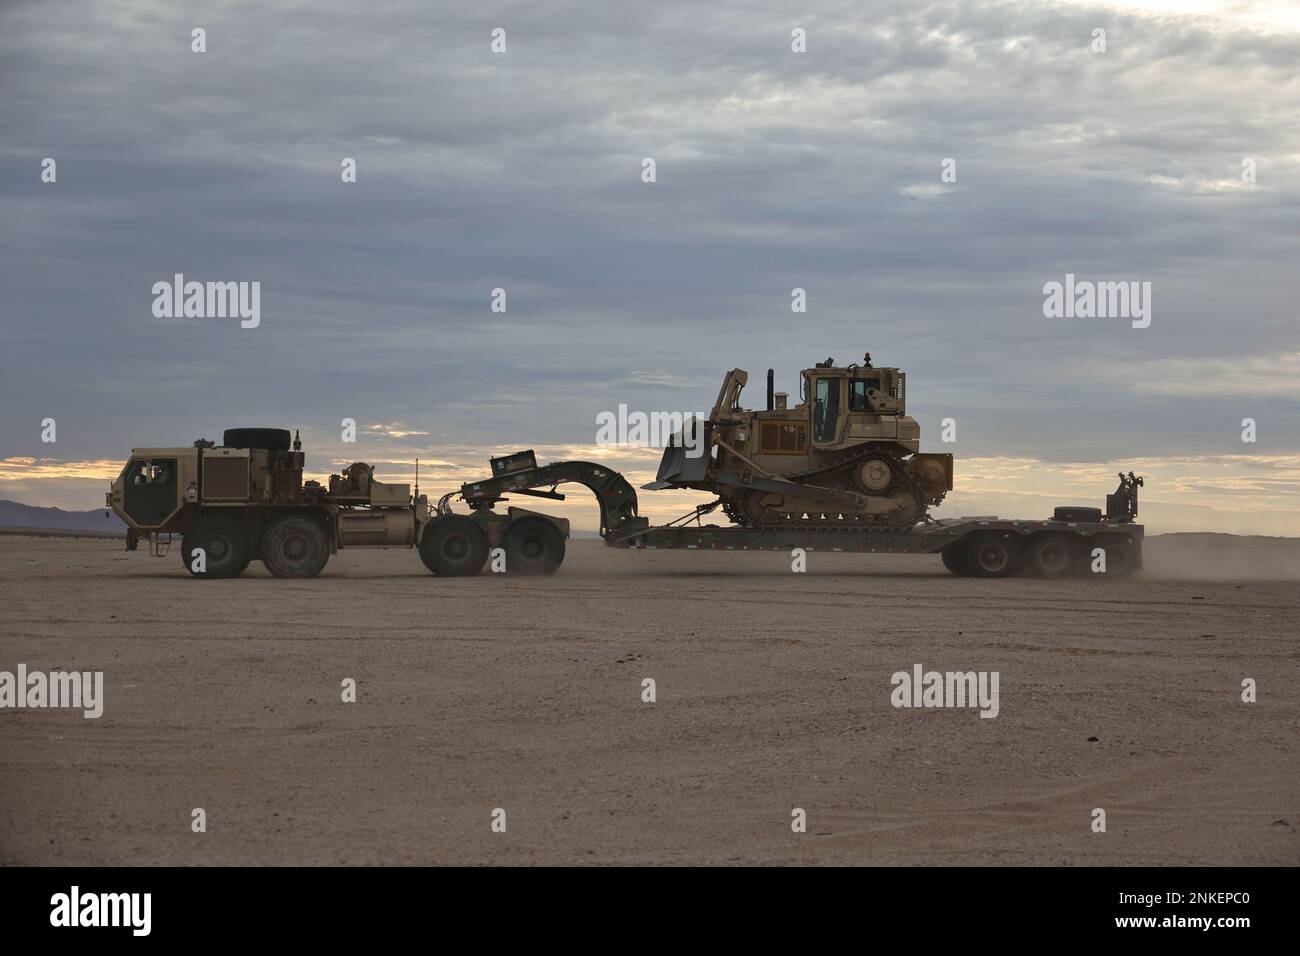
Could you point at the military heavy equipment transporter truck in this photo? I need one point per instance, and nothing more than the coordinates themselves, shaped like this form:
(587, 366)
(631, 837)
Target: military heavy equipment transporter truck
(246, 500)
(840, 471)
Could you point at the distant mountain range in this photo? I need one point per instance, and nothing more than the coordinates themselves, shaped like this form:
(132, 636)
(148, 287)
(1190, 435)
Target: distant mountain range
(16, 515)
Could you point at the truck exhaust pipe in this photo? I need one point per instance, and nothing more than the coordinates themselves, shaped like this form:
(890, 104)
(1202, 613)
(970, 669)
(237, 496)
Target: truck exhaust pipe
(771, 389)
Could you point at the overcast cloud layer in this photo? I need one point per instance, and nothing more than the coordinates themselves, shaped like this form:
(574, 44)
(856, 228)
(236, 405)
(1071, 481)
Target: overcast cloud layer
(523, 170)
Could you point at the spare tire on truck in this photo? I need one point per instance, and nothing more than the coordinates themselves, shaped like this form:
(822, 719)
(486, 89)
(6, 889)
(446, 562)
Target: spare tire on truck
(271, 439)
(1076, 514)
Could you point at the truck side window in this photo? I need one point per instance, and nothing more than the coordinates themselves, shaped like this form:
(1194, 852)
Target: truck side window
(148, 473)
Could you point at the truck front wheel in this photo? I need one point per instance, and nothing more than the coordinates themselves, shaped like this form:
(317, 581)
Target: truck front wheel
(295, 547)
(221, 545)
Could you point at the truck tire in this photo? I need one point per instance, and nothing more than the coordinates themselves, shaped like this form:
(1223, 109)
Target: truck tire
(454, 546)
(295, 546)
(1121, 555)
(1051, 555)
(955, 559)
(272, 439)
(224, 544)
(1076, 514)
(533, 546)
(992, 555)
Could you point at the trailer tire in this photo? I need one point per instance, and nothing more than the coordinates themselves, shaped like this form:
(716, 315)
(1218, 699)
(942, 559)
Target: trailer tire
(1121, 556)
(1073, 514)
(271, 439)
(454, 546)
(992, 555)
(1051, 555)
(225, 547)
(533, 546)
(956, 560)
(295, 547)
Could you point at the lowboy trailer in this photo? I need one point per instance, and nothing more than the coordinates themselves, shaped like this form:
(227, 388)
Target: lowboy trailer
(1073, 541)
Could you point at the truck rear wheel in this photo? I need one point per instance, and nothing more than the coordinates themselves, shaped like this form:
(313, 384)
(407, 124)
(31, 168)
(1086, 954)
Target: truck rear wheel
(295, 547)
(992, 555)
(533, 546)
(1051, 555)
(454, 546)
(224, 546)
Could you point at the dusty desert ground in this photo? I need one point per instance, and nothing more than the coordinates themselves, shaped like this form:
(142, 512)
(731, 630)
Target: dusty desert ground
(772, 693)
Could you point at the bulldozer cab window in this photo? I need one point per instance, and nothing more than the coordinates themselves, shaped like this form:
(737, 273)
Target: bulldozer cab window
(826, 408)
(858, 393)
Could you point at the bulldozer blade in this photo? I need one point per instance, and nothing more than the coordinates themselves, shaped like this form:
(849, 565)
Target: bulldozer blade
(683, 462)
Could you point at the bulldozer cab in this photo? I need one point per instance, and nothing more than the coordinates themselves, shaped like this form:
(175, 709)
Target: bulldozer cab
(836, 397)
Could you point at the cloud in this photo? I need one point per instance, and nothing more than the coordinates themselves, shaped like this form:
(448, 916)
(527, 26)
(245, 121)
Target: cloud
(1251, 376)
(522, 171)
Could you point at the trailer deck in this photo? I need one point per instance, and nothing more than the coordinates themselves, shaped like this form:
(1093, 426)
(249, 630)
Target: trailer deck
(929, 538)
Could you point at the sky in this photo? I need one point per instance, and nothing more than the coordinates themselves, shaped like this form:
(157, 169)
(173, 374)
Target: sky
(522, 170)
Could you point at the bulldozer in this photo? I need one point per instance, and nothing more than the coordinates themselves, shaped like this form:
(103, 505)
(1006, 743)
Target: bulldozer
(847, 456)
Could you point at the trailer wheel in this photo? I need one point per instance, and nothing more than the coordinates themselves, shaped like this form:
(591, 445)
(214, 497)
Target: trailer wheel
(295, 547)
(1051, 555)
(454, 546)
(992, 555)
(533, 546)
(225, 549)
(1121, 556)
(955, 559)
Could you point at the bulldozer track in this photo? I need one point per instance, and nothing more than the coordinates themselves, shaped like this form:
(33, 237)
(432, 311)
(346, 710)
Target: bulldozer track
(736, 510)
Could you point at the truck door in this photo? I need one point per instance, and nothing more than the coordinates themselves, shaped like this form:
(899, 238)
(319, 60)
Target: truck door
(826, 409)
(149, 490)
